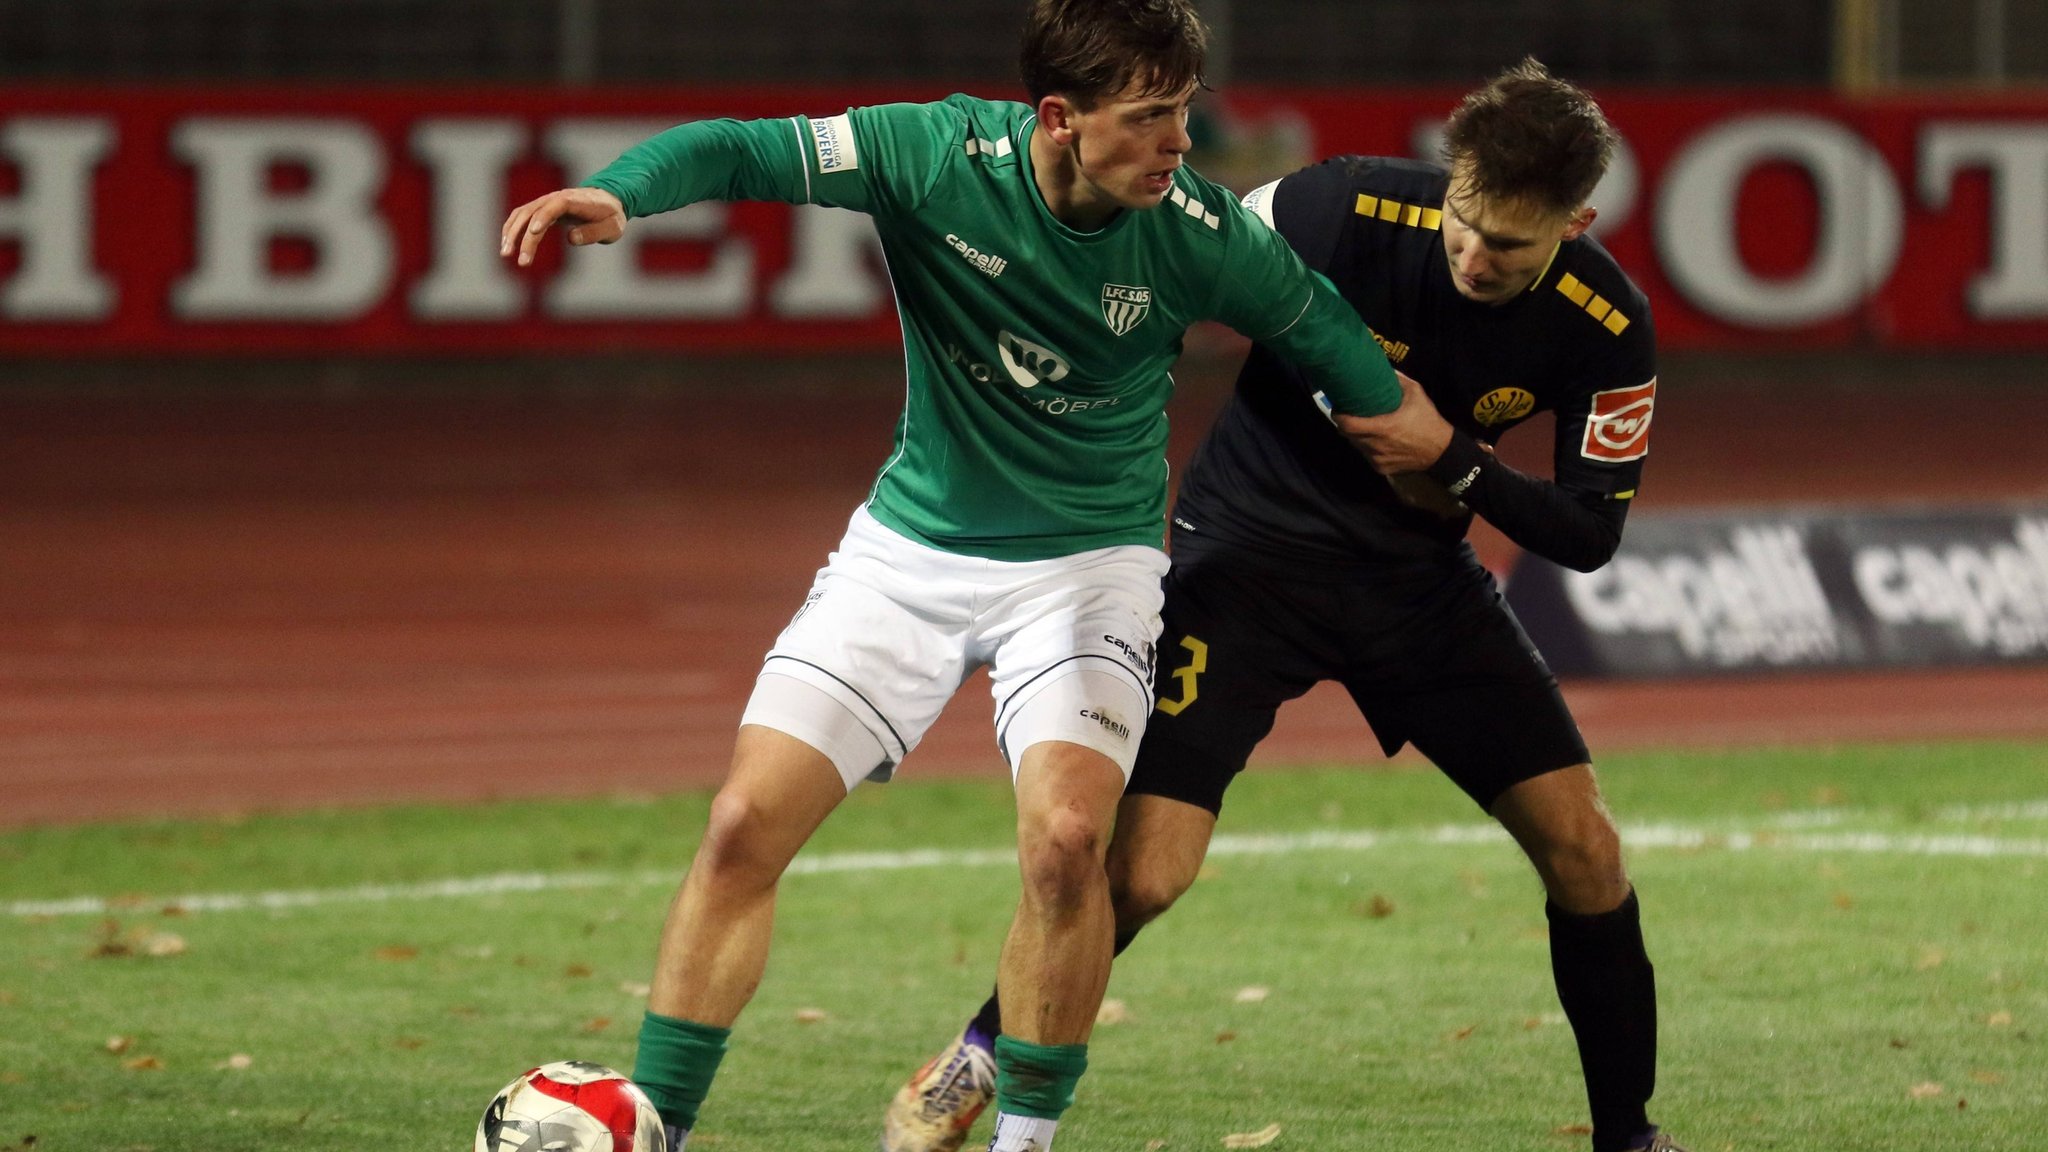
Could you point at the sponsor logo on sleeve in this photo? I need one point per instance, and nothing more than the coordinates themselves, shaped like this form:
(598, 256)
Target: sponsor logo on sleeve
(832, 137)
(1618, 427)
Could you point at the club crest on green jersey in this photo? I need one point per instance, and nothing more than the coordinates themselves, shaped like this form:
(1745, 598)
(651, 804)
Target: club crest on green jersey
(1124, 306)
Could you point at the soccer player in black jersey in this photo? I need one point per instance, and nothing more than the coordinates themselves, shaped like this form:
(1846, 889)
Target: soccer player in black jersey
(1299, 558)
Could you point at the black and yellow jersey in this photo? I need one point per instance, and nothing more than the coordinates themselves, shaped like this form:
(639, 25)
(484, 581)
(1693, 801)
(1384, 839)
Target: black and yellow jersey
(1275, 478)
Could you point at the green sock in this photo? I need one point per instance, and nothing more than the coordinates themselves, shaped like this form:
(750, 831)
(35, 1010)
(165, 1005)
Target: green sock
(1037, 1080)
(675, 1064)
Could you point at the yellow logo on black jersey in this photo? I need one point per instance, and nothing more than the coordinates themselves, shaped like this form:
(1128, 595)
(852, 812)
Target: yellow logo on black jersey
(1502, 405)
(1396, 350)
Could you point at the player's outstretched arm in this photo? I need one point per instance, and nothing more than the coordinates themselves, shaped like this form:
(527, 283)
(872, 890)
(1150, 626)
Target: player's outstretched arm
(591, 215)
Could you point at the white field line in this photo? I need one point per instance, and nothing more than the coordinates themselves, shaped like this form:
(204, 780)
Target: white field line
(1635, 837)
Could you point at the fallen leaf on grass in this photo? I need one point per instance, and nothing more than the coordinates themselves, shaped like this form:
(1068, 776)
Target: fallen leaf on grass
(1225, 1037)
(1983, 1077)
(576, 971)
(1925, 1090)
(1113, 1012)
(143, 1064)
(1465, 1032)
(1377, 908)
(12, 1078)
(396, 952)
(1898, 1042)
(7, 998)
(1572, 1130)
(1252, 994)
(119, 1044)
(634, 988)
(1929, 959)
(236, 1063)
(409, 1043)
(163, 944)
(1154, 1145)
(1259, 1139)
(593, 1026)
(172, 910)
(811, 1015)
(1842, 900)
(1998, 1020)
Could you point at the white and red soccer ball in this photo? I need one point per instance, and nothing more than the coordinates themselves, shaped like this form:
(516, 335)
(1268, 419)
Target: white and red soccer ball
(570, 1106)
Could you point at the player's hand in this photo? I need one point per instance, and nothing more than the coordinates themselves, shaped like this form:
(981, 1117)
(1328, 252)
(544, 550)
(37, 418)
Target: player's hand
(592, 216)
(1409, 439)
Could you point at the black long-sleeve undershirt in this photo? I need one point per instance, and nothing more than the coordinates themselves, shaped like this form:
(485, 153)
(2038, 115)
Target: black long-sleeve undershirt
(1578, 530)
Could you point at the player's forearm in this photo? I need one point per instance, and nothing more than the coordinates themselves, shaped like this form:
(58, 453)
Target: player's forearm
(705, 160)
(1337, 353)
(1535, 513)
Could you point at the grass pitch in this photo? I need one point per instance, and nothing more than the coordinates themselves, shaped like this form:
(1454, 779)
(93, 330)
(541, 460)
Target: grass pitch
(1850, 947)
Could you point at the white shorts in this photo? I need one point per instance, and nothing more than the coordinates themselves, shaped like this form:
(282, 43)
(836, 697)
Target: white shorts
(891, 628)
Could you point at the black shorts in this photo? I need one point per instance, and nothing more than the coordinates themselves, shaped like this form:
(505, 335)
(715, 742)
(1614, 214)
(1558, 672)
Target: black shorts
(1433, 657)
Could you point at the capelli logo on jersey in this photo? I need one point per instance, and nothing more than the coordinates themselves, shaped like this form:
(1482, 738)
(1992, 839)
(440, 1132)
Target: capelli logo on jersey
(1396, 350)
(991, 264)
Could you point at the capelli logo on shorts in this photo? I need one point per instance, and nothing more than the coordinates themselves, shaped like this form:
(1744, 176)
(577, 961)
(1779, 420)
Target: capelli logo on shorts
(1142, 658)
(1116, 728)
(813, 598)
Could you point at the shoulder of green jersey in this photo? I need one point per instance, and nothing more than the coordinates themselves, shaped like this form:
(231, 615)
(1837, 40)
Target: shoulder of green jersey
(1197, 199)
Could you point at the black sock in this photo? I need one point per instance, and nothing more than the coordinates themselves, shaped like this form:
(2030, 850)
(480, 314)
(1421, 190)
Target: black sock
(1609, 993)
(988, 1023)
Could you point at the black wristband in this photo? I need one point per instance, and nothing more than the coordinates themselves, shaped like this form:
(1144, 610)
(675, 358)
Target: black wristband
(1460, 465)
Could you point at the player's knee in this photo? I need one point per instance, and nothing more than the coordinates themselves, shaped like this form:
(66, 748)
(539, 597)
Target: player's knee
(1583, 870)
(735, 848)
(1141, 892)
(1060, 853)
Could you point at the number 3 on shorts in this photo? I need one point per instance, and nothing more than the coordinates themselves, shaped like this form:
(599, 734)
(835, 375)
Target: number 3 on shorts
(1197, 664)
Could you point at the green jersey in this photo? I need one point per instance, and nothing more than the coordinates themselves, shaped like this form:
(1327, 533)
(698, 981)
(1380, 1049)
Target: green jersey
(1038, 356)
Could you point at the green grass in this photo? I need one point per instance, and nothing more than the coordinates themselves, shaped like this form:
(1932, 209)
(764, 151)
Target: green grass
(1809, 988)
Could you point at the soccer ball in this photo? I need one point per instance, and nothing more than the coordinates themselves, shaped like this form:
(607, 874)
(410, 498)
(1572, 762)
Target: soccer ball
(570, 1106)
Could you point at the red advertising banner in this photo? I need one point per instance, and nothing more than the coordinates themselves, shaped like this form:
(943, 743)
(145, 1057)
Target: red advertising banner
(165, 220)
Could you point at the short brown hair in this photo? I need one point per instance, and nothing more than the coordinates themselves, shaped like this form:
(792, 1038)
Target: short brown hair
(1090, 50)
(1530, 136)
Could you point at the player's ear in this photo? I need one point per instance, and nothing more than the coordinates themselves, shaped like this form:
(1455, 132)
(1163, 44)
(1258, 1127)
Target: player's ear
(1056, 113)
(1581, 221)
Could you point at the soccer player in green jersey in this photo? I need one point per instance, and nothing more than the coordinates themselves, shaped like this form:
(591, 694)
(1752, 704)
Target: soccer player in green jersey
(1047, 260)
